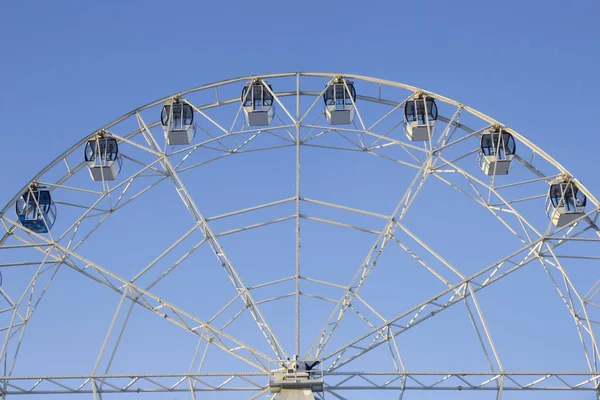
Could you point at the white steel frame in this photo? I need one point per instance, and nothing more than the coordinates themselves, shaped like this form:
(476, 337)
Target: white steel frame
(297, 128)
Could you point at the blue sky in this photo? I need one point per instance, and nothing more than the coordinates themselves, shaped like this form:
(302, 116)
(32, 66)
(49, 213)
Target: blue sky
(69, 67)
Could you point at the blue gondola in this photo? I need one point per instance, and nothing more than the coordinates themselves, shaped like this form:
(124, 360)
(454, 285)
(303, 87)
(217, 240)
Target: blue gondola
(420, 115)
(565, 203)
(257, 100)
(36, 210)
(177, 119)
(102, 157)
(340, 98)
(497, 151)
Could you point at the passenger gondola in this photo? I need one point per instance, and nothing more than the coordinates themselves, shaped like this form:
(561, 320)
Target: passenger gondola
(102, 157)
(420, 115)
(565, 203)
(35, 209)
(257, 101)
(340, 99)
(177, 118)
(496, 152)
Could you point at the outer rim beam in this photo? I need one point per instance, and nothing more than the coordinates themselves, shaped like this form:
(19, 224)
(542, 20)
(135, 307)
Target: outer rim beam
(213, 85)
(494, 380)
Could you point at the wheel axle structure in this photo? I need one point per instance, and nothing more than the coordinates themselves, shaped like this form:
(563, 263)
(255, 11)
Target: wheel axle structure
(321, 235)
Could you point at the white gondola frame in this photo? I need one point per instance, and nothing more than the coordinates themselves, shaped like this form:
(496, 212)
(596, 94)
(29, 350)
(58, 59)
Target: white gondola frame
(567, 208)
(500, 159)
(103, 167)
(421, 132)
(263, 114)
(178, 135)
(335, 114)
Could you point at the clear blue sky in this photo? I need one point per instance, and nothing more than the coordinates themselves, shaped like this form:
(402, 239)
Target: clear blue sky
(69, 67)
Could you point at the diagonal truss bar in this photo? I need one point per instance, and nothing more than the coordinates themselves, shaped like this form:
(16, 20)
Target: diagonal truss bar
(407, 380)
(28, 297)
(458, 292)
(377, 249)
(216, 247)
(583, 324)
(433, 306)
(157, 305)
(370, 261)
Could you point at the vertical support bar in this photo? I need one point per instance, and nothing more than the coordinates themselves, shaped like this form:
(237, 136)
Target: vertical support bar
(110, 329)
(297, 213)
(192, 389)
(485, 327)
(95, 392)
(114, 351)
(500, 389)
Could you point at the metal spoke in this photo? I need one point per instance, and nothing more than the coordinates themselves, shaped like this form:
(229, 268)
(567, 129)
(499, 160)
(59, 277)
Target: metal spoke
(147, 300)
(436, 304)
(370, 261)
(218, 250)
(298, 198)
(31, 258)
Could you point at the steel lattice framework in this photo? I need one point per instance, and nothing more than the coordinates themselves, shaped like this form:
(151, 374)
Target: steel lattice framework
(358, 339)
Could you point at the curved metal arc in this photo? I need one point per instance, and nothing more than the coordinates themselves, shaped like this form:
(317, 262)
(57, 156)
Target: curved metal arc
(536, 150)
(310, 74)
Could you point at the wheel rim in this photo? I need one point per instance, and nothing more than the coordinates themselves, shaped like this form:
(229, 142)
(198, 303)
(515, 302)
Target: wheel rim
(305, 187)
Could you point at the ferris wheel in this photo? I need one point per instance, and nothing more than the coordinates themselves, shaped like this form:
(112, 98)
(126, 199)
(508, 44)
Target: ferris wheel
(301, 236)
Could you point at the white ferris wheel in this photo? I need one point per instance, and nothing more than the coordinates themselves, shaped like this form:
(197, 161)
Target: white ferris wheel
(301, 236)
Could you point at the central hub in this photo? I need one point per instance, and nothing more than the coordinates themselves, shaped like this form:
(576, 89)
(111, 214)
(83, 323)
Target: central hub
(296, 379)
